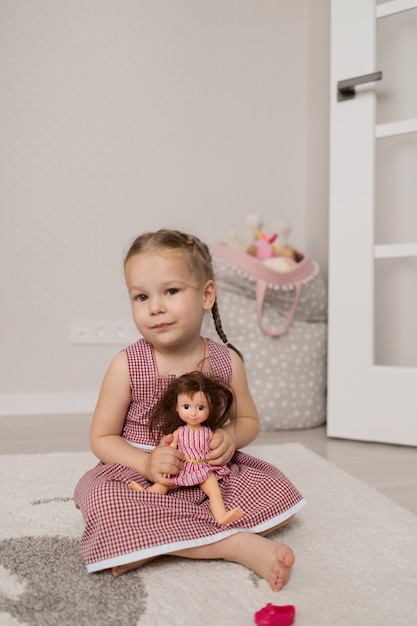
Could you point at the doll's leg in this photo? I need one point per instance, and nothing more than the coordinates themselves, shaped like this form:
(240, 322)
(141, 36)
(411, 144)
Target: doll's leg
(155, 488)
(212, 490)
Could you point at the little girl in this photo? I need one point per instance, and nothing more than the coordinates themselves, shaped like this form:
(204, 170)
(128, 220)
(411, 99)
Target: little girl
(194, 406)
(170, 280)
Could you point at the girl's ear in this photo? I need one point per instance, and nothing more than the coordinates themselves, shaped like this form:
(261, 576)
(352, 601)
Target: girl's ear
(209, 295)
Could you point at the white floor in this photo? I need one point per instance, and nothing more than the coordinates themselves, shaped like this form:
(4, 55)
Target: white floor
(390, 469)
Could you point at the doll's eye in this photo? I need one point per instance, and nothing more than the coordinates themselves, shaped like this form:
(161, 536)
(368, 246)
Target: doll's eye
(201, 407)
(186, 406)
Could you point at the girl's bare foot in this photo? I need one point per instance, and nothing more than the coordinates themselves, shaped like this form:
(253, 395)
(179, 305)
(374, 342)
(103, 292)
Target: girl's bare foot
(119, 570)
(281, 567)
(270, 560)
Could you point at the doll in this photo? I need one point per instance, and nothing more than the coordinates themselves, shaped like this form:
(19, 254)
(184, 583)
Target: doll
(194, 406)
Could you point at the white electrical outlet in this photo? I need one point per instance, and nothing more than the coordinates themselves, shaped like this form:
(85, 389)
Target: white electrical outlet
(103, 332)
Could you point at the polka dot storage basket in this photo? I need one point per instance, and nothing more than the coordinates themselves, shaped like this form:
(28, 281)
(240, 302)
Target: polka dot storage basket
(278, 320)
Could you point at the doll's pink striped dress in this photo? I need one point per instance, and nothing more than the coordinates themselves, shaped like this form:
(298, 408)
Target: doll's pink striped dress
(195, 445)
(123, 525)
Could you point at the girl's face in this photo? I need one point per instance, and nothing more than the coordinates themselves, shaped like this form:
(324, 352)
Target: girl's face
(193, 410)
(167, 304)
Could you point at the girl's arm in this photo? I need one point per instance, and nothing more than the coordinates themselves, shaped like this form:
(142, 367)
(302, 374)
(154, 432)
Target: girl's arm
(107, 426)
(244, 425)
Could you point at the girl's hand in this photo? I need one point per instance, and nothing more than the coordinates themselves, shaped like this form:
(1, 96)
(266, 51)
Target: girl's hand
(164, 461)
(222, 447)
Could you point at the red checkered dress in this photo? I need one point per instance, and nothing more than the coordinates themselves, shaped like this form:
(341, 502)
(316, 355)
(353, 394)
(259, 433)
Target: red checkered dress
(124, 526)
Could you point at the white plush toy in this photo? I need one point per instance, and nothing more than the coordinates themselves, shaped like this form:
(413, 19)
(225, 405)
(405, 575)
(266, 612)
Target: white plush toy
(245, 236)
(274, 250)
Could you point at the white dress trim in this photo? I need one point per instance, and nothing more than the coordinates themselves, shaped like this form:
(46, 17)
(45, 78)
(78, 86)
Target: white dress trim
(168, 548)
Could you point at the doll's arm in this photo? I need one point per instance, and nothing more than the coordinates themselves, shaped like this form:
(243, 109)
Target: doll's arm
(174, 442)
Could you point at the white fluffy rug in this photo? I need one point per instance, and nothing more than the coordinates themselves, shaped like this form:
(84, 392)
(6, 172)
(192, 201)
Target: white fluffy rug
(356, 554)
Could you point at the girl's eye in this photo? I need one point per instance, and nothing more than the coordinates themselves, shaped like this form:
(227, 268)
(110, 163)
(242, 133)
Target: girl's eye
(172, 291)
(141, 297)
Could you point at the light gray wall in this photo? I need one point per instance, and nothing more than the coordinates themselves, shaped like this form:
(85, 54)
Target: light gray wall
(119, 117)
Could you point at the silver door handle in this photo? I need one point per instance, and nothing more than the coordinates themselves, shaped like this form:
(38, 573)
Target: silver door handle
(346, 88)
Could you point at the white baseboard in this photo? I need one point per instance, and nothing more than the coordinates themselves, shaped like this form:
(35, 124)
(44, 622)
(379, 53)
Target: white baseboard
(48, 403)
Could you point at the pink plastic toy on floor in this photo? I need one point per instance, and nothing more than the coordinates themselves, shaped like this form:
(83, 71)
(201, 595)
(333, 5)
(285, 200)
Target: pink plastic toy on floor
(272, 615)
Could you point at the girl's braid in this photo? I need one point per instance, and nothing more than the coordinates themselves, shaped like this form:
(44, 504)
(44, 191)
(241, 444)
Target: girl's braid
(201, 249)
(219, 328)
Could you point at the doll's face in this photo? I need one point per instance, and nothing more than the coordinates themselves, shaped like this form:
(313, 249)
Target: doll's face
(193, 410)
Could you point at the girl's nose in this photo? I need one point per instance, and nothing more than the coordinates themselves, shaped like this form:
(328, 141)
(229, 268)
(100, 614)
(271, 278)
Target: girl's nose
(156, 306)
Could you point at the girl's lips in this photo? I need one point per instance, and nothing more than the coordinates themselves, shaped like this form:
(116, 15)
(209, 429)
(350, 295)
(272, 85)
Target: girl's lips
(160, 326)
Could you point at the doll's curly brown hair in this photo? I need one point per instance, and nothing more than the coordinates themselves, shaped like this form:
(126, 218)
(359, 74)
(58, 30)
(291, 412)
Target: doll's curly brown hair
(165, 419)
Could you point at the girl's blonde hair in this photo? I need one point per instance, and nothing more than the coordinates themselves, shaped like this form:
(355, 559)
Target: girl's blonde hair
(196, 255)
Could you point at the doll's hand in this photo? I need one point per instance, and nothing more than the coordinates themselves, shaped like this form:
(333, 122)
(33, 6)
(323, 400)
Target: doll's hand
(222, 447)
(164, 461)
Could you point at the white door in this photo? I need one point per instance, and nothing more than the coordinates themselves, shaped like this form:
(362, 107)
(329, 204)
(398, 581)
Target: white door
(372, 381)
